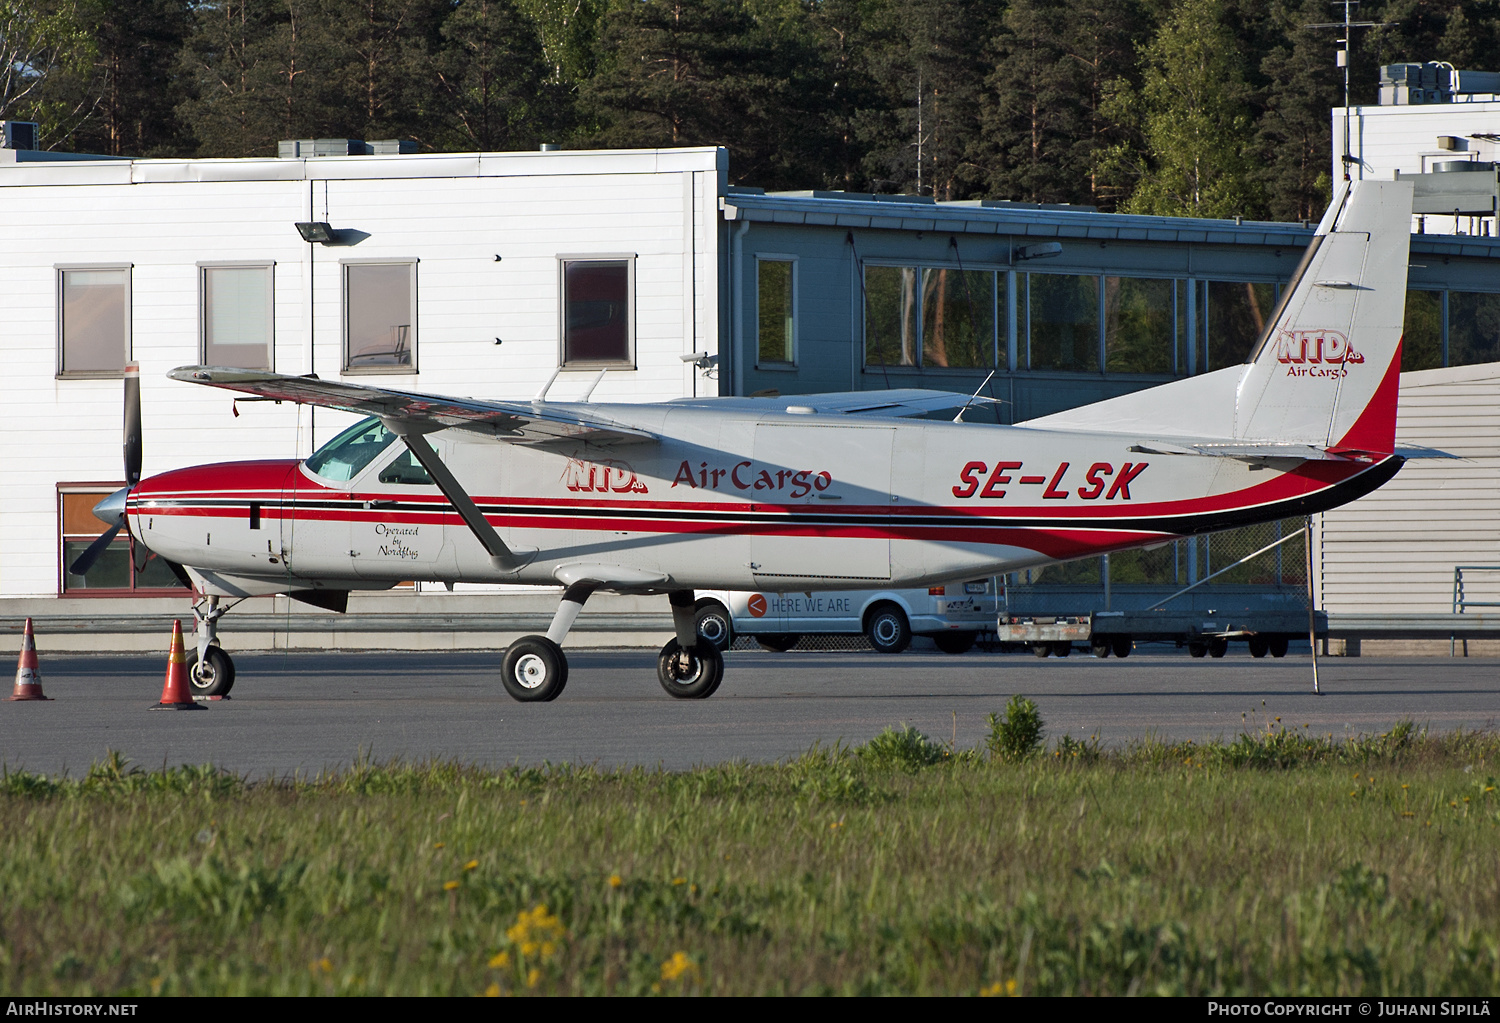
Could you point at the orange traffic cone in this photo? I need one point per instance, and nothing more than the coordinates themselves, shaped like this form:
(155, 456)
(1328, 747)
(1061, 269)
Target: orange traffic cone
(28, 677)
(174, 693)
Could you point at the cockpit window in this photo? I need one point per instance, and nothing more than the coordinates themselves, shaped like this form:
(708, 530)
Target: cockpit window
(344, 457)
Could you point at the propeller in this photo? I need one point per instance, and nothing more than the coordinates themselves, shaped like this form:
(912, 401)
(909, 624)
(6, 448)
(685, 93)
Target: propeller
(111, 510)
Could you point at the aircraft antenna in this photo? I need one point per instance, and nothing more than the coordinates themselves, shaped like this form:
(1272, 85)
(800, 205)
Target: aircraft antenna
(959, 418)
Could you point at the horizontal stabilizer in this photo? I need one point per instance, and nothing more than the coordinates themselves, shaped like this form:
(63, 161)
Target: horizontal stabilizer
(1242, 451)
(513, 421)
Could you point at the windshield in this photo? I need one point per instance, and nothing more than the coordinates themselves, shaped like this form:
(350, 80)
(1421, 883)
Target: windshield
(342, 458)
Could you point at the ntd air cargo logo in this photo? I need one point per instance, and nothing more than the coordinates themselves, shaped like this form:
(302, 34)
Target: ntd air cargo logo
(610, 476)
(1315, 353)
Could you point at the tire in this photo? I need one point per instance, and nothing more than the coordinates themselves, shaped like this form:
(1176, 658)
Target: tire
(1196, 649)
(215, 677)
(1100, 646)
(1218, 647)
(697, 679)
(778, 642)
(1062, 648)
(1278, 645)
(713, 626)
(535, 670)
(1041, 649)
(1259, 646)
(887, 629)
(1121, 646)
(955, 642)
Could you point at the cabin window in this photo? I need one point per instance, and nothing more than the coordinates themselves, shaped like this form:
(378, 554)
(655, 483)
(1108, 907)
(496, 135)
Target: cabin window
(113, 573)
(93, 321)
(380, 316)
(237, 316)
(405, 471)
(776, 311)
(1142, 332)
(598, 321)
(1062, 318)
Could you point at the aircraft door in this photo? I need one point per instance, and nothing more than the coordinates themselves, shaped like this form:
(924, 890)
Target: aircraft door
(831, 489)
(396, 529)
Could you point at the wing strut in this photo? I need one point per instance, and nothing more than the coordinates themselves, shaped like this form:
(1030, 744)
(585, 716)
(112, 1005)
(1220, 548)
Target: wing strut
(501, 556)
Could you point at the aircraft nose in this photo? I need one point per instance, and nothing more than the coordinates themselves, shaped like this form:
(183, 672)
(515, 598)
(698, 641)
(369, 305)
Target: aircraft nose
(111, 510)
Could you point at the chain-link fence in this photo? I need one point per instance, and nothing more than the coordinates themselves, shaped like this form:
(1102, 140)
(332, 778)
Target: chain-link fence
(1135, 579)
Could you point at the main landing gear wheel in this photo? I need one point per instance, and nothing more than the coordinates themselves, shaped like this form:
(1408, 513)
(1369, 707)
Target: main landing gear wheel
(690, 675)
(888, 630)
(778, 642)
(214, 677)
(535, 670)
(711, 622)
(955, 642)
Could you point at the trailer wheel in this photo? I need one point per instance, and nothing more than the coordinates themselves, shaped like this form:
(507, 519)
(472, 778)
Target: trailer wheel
(1259, 646)
(1218, 647)
(1197, 649)
(1099, 646)
(1278, 645)
(1041, 649)
(1062, 648)
(955, 642)
(1121, 646)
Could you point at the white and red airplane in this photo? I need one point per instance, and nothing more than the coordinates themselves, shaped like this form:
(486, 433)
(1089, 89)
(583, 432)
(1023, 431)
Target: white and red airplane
(823, 491)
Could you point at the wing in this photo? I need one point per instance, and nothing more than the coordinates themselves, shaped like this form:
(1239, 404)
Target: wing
(517, 422)
(897, 403)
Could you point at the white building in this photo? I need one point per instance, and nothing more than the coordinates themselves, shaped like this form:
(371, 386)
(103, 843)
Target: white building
(477, 274)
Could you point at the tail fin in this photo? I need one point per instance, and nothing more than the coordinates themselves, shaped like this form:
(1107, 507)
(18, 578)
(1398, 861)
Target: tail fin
(1328, 367)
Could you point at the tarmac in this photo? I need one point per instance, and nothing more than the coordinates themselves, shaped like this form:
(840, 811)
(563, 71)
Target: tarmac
(303, 713)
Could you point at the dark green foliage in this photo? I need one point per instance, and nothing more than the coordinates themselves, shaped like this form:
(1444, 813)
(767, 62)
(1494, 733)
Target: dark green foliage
(1017, 735)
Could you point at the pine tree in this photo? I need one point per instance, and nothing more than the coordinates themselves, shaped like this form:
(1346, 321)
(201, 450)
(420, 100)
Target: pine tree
(1293, 134)
(489, 73)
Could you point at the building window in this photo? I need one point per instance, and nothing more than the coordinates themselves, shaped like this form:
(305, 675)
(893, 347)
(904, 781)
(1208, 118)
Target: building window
(93, 321)
(114, 572)
(1422, 336)
(958, 318)
(1235, 319)
(1473, 328)
(380, 315)
(775, 289)
(1140, 326)
(1063, 322)
(597, 315)
(939, 317)
(238, 316)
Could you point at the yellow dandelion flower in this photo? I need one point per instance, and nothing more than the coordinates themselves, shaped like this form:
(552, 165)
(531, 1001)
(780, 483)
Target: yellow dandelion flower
(678, 880)
(324, 965)
(1010, 986)
(471, 865)
(500, 960)
(992, 991)
(529, 948)
(449, 886)
(615, 880)
(438, 845)
(679, 967)
(534, 977)
(493, 991)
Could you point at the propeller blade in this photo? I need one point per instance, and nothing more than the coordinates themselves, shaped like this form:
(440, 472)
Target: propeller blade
(85, 561)
(132, 423)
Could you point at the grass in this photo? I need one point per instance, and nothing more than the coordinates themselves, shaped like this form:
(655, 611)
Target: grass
(1277, 862)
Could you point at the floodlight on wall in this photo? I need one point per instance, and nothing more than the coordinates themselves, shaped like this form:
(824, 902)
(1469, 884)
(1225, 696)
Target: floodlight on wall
(316, 231)
(1041, 250)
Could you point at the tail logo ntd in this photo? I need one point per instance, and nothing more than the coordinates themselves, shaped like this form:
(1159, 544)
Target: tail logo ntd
(1299, 348)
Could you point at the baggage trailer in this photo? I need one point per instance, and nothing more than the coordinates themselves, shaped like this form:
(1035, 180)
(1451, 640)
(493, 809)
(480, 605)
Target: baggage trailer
(1204, 633)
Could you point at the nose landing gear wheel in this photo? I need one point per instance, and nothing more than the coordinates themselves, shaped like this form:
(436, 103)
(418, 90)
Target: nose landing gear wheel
(214, 677)
(535, 670)
(691, 674)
